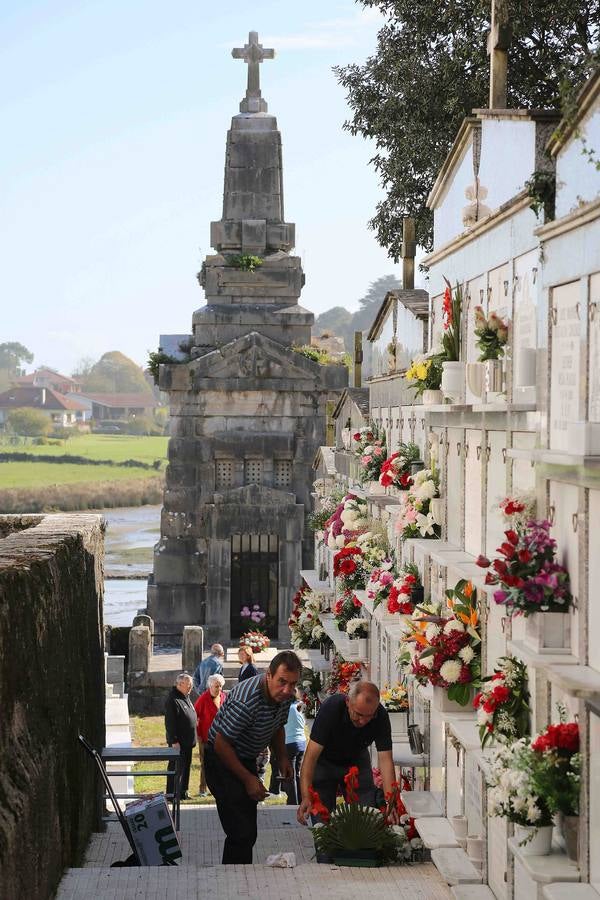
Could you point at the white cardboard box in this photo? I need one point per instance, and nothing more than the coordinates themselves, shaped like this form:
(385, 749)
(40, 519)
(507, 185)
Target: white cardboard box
(153, 832)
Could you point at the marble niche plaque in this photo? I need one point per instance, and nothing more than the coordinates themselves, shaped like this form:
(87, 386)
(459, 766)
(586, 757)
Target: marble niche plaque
(475, 296)
(593, 581)
(495, 466)
(454, 483)
(523, 473)
(473, 483)
(474, 794)
(594, 808)
(524, 339)
(565, 363)
(564, 504)
(497, 856)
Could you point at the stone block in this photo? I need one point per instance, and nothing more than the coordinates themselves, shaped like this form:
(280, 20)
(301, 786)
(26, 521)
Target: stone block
(257, 181)
(246, 205)
(254, 235)
(139, 649)
(192, 647)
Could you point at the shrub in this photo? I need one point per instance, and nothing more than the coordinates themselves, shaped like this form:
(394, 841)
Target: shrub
(29, 422)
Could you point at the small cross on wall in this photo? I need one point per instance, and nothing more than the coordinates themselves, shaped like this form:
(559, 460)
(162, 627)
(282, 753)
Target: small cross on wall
(253, 54)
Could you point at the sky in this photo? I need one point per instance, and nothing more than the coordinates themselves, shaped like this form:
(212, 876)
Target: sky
(114, 118)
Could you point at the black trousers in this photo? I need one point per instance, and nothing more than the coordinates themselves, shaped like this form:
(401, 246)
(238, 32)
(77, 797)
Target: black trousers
(237, 811)
(329, 776)
(185, 763)
(295, 754)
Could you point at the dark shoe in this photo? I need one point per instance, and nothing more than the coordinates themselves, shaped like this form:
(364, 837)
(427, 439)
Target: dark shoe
(185, 796)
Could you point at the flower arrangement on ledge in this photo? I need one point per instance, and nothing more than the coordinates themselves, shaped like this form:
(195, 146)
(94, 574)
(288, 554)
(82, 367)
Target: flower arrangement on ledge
(425, 373)
(513, 793)
(353, 564)
(328, 505)
(529, 577)
(399, 592)
(354, 831)
(394, 699)
(256, 640)
(311, 689)
(346, 522)
(346, 608)
(370, 449)
(445, 650)
(451, 314)
(395, 470)
(417, 519)
(491, 333)
(357, 628)
(557, 773)
(502, 704)
(342, 675)
(304, 623)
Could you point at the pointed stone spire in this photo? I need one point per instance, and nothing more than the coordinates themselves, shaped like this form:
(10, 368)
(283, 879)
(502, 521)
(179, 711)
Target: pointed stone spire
(497, 48)
(253, 54)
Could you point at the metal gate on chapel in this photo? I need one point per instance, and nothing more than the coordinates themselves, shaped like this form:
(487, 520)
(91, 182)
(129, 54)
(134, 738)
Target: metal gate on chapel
(254, 582)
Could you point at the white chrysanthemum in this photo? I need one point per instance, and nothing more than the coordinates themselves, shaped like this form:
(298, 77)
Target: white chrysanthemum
(453, 625)
(432, 631)
(422, 476)
(466, 654)
(533, 811)
(483, 717)
(426, 491)
(450, 670)
(340, 541)
(318, 632)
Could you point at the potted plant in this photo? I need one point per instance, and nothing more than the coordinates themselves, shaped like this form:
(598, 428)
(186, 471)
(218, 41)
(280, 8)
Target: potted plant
(502, 704)
(453, 370)
(558, 778)
(492, 335)
(417, 519)
(357, 630)
(406, 591)
(395, 701)
(396, 469)
(513, 795)
(424, 375)
(532, 582)
(371, 452)
(256, 640)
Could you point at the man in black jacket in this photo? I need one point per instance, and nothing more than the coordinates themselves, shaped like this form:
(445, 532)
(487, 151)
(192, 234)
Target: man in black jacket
(180, 726)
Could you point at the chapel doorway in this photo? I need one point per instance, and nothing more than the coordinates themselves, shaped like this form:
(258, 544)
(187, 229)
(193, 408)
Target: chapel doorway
(254, 582)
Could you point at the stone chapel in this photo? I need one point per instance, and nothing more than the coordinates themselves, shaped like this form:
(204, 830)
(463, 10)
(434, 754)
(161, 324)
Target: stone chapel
(248, 412)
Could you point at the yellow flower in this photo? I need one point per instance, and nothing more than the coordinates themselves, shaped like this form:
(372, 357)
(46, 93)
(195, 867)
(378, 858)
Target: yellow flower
(421, 370)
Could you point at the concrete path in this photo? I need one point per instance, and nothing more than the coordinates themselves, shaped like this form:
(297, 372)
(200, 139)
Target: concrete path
(200, 875)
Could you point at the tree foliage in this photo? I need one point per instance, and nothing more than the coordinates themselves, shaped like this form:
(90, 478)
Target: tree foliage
(431, 69)
(29, 422)
(115, 373)
(12, 354)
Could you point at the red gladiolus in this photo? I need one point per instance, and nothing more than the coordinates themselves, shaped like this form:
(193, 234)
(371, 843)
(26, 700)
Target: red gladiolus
(317, 807)
(351, 782)
(512, 536)
(524, 556)
(356, 601)
(490, 578)
(500, 566)
(482, 561)
(506, 549)
(512, 507)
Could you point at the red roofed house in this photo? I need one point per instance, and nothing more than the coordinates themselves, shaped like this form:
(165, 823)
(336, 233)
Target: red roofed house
(118, 406)
(61, 410)
(49, 378)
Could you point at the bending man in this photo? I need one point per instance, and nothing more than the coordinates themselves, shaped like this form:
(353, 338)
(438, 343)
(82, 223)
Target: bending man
(343, 730)
(253, 717)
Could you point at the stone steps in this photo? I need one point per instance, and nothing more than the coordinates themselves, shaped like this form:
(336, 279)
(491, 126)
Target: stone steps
(472, 892)
(455, 867)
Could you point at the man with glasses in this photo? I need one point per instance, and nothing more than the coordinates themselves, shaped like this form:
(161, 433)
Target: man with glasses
(343, 730)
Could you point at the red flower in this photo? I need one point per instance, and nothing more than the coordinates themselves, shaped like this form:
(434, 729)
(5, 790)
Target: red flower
(317, 807)
(447, 308)
(356, 601)
(489, 705)
(351, 782)
(482, 561)
(501, 693)
(490, 578)
(405, 480)
(410, 579)
(524, 556)
(506, 550)
(563, 737)
(512, 536)
(512, 507)
(476, 699)
(347, 567)
(500, 566)
(356, 436)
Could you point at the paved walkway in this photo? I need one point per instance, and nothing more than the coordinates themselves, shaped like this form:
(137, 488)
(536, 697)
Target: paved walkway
(200, 875)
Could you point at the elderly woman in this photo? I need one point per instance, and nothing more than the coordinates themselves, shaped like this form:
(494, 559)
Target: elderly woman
(180, 728)
(246, 658)
(207, 705)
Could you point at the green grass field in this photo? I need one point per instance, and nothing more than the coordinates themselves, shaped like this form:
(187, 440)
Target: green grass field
(149, 731)
(114, 447)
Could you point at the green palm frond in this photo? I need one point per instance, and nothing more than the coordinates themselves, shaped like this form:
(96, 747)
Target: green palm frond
(356, 827)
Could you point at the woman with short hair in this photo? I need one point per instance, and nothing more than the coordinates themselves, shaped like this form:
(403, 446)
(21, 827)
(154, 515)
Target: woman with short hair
(207, 706)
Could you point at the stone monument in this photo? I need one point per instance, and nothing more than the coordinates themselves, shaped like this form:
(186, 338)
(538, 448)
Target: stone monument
(248, 412)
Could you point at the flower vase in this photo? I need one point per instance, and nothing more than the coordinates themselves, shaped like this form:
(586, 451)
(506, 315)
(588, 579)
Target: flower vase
(535, 841)
(432, 398)
(569, 829)
(399, 723)
(494, 380)
(547, 632)
(436, 508)
(442, 702)
(376, 488)
(453, 381)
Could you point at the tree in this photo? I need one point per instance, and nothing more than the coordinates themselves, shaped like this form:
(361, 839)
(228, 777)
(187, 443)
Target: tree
(115, 373)
(29, 422)
(12, 355)
(370, 303)
(431, 69)
(83, 368)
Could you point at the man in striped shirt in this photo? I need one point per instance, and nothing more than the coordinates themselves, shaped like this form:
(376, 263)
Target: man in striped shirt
(252, 718)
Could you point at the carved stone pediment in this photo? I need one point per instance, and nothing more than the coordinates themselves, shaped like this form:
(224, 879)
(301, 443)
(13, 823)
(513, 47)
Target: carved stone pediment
(254, 356)
(255, 495)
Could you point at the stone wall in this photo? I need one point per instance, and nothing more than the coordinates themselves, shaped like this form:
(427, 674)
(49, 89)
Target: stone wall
(51, 689)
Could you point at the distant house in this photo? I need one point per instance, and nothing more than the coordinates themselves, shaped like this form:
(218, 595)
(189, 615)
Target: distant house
(49, 378)
(118, 406)
(60, 409)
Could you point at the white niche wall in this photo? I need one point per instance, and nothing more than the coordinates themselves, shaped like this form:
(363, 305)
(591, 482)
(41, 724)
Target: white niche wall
(564, 508)
(454, 485)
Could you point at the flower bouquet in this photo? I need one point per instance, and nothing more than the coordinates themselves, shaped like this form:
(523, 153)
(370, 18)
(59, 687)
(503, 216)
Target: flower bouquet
(492, 335)
(394, 699)
(395, 471)
(349, 568)
(357, 628)
(305, 624)
(425, 373)
(346, 608)
(346, 522)
(342, 675)
(254, 614)
(370, 449)
(406, 591)
(451, 314)
(447, 650)
(416, 518)
(311, 690)
(358, 835)
(256, 640)
(502, 704)
(530, 580)
(328, 505)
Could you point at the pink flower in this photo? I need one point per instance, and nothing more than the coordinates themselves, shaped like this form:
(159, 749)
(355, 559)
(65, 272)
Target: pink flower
(365, 460)
(386, 578)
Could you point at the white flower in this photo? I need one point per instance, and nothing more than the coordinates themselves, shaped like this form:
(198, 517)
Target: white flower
(427, 661)
(340, 541)
(422, 476)
(466, 654)
(533, 811)
(331, 542)
(426, 491)
(432, 631)
(453, 625)
(483, 717)
(425, 524)
(450, 670)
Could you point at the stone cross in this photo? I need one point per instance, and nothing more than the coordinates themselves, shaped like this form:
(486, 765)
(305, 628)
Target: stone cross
(253, 54)
(497, 48)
